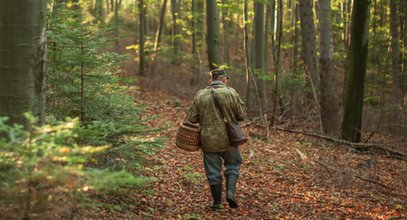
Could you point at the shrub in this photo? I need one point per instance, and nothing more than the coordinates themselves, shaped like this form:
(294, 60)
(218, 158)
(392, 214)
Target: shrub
(43, 171)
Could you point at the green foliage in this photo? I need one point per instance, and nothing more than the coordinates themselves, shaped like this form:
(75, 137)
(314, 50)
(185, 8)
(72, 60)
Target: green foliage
(43, 170)
(84, 81)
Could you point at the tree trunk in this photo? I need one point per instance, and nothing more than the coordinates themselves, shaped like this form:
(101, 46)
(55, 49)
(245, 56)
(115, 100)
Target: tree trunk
(225, 22)
(160, 25)
(272, 27)
(267, 31)
(296, 60)
(278, 61)
(212, 38)
(329, 100)
(395, 54)
(404, 37)
(100, 12)
(175, 31)
(247, 56)
(108, 8)
(22, 59)
(196, 38)
(142, 17)
(259, 51)
(353, 105)
(309, 53)
(116, 22)
(345, 23)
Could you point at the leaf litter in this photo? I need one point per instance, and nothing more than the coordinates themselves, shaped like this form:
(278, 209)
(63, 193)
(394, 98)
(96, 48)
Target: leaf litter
(290, 176)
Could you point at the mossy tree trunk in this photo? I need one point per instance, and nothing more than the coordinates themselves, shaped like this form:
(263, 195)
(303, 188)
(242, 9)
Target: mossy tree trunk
(353, 106)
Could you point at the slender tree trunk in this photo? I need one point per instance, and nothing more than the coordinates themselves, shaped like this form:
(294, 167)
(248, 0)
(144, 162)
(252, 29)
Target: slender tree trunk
(107, 7)
(82, 87)
(142, 16)
(267, 32)
(194, 7)
(160, 25)
(277, 65)
(116, 22)
(212, 39)
(247, 55)
(353, 106)
(296, 59)
(259, 50)
(395, 54)
(100, 12)
(309, 53)
(404, 37)
(329, 100)
(272, 27)
(196, 39)
(225, 22)
(345, 23)
(22, 59)
(175, 31)
(292, 33)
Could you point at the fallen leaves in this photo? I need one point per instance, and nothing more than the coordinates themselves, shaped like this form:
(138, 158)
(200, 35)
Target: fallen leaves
(280, 179)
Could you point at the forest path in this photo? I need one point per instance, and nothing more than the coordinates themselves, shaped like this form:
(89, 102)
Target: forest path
(291, 176)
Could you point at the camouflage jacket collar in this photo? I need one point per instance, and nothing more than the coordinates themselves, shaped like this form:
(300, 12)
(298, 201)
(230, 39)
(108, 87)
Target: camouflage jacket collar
(217, 83)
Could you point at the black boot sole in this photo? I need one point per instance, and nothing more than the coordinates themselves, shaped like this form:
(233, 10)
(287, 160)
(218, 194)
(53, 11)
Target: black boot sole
(232, 203)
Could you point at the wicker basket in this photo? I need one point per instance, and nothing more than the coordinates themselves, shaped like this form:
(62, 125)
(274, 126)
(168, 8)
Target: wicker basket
(188, 137)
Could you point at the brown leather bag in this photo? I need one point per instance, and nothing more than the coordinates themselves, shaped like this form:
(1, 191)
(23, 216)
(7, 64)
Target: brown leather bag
(235, 132)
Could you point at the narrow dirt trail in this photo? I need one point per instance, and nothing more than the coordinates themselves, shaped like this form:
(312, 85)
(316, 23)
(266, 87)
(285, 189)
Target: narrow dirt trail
(289, 177)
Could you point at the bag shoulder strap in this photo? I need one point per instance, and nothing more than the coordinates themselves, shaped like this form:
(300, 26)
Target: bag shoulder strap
(216, 99)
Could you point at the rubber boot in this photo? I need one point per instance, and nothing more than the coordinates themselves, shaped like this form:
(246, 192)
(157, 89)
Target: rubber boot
(216, 191)
(231, 181)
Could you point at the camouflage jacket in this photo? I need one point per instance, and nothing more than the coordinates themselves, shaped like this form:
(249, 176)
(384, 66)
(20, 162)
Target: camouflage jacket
(214, 136)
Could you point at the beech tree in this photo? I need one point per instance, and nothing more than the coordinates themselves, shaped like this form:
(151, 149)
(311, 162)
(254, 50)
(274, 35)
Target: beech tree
(22, 59)
(212, 39)
(329, 100)
(308, 34)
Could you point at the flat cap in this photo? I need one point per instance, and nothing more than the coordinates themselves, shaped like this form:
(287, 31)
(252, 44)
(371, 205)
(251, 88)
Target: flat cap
(216, 73)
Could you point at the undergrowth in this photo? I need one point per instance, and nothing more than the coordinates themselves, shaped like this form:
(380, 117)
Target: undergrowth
(57, 170)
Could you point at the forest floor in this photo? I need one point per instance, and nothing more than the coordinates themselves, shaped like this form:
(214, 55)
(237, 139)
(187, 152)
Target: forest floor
(288, 176)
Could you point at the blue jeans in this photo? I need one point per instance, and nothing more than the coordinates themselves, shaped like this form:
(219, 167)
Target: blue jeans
(213, 165)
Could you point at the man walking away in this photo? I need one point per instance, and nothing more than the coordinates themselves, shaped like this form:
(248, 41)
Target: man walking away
(214, 138)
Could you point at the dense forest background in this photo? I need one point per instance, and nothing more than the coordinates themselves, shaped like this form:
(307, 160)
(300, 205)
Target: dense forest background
(76, 129)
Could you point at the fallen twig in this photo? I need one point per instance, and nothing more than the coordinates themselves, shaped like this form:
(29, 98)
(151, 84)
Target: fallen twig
(324, 166)
(353, 175)
(377, 148)
(371, 181)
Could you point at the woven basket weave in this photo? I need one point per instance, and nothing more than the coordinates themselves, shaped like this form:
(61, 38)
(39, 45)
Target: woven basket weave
(188, 137)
